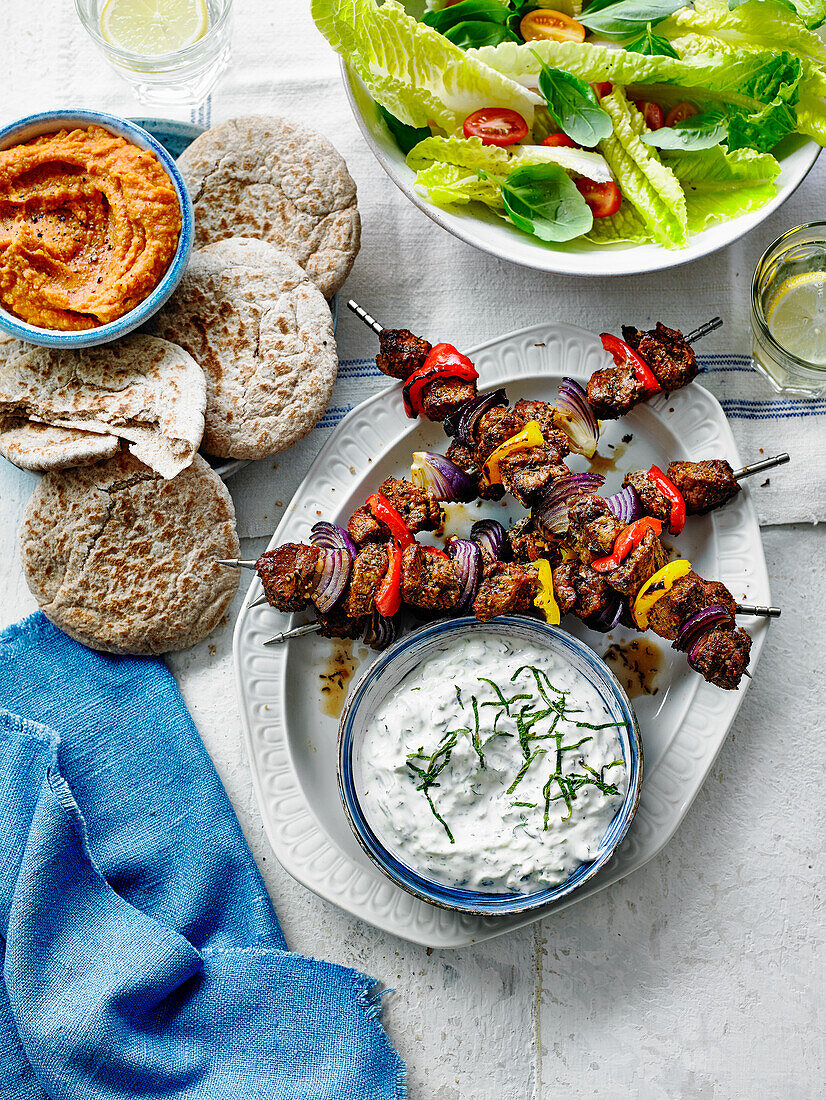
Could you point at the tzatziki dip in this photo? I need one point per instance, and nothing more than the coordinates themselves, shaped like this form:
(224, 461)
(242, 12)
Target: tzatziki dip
(493, 766)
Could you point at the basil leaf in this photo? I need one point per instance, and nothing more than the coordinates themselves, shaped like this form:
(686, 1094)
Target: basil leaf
(406, 137)
(702, 131)
(617, 18)
(542, 199)
(573, 106)
(650, 44)
(475, 33)
(483, 11)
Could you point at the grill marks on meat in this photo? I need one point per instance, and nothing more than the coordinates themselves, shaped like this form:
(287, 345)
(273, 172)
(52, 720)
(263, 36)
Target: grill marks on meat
(687, 596)
(705, 485)
(642, 563)
(338, 624)
(508, 588)
(493, 429)
(363, 527)
(613, 392)
(366, 575)
(288, 575)
(444, 396)
(581, 591)
(654, 502)
(419, 508)
(400, 352)
(527, 474)
(722, 657)
(526, 543)
(592, 526)
(672, 360)
(428, 580)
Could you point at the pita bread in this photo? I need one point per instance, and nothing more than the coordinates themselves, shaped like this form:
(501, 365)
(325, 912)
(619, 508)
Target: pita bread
(264, 336)
(124, 561)
(147, 391)
(282, 183)
(40, 447)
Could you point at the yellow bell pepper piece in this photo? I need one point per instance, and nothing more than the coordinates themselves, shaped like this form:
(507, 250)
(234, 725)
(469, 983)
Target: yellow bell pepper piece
(545, 599)
(530, 436)
(655, 587)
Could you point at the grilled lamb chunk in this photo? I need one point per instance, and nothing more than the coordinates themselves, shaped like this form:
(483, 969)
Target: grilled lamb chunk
(364, 527)
(419, 508)
(527, 474)
(493, 429)
(613, 392)
(365, 577)
(526, 544)
(444, 396)
(722, 657)
(654, 503)
(465, 459)
(580, 590)
(288, 575)
(705, 485)
(338, 624)
(507, 589)
(543, 414)
(428, 580)
(400, 352)
(592, 526)
(642, 563)
(687, 596)
(666, 352)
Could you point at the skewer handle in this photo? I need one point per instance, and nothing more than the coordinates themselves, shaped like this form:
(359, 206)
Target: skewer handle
(704, 330)
(758, 609)
(235, 563)
(763, 464)
(363, 315)
(296, 632)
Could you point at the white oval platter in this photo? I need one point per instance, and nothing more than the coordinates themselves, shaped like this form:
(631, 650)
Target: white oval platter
(292, 741)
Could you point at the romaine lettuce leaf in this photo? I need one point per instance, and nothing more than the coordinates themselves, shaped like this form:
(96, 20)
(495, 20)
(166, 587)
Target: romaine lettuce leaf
(644, 180)
(719, 185)
(755, 25)
(624, 227)
(470, 153)
(451, 183)
(412, 70)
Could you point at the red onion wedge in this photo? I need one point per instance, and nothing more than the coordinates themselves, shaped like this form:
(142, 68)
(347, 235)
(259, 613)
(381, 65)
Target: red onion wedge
(380, 631)
(552, 511)
(609, 617)
(576, 418)
(464, 420)
(331, 576)
(489, 535)
(695, 628)
(329, 536)
(468, 559)
(443, 478)
(625, 505)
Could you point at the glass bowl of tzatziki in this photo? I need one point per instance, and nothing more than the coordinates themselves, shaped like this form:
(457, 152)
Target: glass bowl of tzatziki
(491, 767)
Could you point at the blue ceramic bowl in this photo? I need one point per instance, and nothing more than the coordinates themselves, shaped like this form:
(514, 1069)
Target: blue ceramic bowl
(383, 677)
(49, 121)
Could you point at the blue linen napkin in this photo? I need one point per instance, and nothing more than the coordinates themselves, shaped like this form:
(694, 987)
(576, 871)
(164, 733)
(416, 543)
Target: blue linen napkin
(142, 953)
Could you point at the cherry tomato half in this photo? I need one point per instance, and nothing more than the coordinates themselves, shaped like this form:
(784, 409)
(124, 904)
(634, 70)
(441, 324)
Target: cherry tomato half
(555, 140)
(545, 25)
(652, 113)
(680, 113)
(496, 126)
(604, 199)
(602, 87)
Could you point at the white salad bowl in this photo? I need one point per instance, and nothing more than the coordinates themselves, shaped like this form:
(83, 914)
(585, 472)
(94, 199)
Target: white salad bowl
(480, 227)
(381, 679)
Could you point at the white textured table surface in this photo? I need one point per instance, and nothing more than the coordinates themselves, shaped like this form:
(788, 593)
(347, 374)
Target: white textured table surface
(702, 974)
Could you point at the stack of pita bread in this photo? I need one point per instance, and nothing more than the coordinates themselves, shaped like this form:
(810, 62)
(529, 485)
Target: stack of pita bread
(121, 535)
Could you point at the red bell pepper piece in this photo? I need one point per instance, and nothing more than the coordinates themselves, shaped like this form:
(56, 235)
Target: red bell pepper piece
(623, 354)
(627, 540)
(443, 361)
(675, 498)
(381, 509)
(436, 552)
(389, 595)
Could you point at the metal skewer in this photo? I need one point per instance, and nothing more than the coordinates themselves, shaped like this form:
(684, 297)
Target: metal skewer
(763, 464)
(235, 563)
(704, 330)
(363, 315)
(758, 609)
(262, 599)
(296, 632)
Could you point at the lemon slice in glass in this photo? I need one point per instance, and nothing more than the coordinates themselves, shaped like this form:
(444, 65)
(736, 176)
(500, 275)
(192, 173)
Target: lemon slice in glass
(796, 316)
(153, 27)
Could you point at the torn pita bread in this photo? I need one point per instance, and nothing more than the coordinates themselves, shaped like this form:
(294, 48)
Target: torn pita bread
(147, 391)
(263, 333)
(42, 447)
(270, 179)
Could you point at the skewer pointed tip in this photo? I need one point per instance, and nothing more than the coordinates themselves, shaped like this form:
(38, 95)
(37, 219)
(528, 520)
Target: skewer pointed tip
(262, 599)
